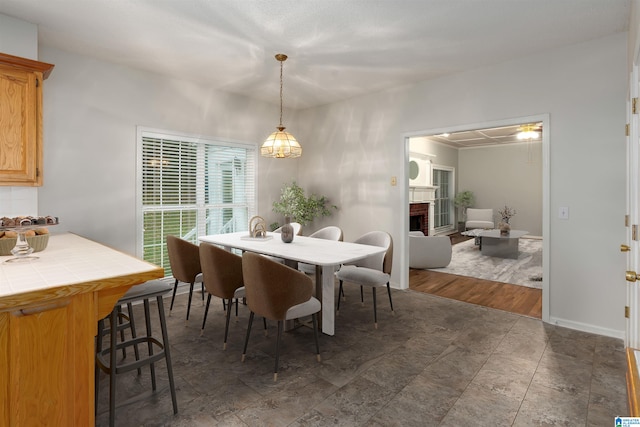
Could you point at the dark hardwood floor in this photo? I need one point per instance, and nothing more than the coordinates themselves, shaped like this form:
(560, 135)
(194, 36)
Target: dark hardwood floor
(502, 296)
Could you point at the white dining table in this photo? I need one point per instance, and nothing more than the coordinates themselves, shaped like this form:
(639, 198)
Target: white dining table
(326, 255)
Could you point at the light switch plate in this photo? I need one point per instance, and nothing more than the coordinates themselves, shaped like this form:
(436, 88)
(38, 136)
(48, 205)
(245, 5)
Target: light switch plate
(563, 212)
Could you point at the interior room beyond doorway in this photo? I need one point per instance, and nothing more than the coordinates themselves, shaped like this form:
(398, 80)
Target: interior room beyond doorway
(502, 164)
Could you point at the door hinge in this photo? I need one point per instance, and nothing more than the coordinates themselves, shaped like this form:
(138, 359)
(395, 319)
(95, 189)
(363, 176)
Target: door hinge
(634, 105)
(37, 171)
(37, 82)
(634, 232)
(626, 220)
(626, 129)
(627, 311)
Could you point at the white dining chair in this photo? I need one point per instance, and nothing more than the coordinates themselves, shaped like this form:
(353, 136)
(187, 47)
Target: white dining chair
(373, 271)
(330, 232)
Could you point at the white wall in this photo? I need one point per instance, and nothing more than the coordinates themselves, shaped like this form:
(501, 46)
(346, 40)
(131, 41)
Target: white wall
(506, 175)
(18, 38)
(358, 145)
(91, 110)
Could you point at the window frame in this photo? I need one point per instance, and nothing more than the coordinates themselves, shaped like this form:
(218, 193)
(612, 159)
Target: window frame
(142, 132)
(452, 185)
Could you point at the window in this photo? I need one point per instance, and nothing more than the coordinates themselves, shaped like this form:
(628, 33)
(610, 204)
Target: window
(443, 204)
(190, 187)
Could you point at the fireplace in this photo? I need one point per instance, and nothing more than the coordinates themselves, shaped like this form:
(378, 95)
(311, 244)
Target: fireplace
(419, 217)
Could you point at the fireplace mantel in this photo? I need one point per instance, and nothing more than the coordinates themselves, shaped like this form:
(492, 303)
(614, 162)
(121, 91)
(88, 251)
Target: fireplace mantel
(422, 194)
(423, 197)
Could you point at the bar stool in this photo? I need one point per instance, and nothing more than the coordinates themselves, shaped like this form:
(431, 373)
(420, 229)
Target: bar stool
(156, 349)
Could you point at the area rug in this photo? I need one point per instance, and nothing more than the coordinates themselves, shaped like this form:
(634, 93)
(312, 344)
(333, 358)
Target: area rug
(466, 260)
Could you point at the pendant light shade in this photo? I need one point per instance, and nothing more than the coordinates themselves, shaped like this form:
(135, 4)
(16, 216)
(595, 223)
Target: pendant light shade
(281, 144)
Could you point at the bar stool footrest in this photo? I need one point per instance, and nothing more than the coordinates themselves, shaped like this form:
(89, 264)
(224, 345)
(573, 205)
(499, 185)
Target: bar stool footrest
(103, 361)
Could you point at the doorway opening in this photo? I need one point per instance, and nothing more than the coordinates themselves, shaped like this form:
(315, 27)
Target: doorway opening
(504, 163)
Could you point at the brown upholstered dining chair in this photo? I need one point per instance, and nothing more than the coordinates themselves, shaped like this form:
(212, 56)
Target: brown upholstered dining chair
(277, 292)
(372, 271)
(184, 258)
(222, 273)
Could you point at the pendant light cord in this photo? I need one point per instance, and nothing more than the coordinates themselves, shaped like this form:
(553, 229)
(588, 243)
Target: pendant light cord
(281, 61)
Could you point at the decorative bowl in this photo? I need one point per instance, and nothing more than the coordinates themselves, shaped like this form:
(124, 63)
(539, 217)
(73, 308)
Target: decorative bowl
(38, 243)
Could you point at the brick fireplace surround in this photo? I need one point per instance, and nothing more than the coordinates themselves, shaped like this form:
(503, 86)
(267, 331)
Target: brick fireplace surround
(419, 217)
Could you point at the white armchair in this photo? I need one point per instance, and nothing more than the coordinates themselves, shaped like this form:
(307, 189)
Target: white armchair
(428, 251)
(479, 218)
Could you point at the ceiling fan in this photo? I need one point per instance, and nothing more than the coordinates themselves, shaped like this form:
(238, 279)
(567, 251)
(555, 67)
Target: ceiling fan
(529, 131)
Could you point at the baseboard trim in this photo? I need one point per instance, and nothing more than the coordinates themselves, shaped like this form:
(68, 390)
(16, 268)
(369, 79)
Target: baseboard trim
(585, 327)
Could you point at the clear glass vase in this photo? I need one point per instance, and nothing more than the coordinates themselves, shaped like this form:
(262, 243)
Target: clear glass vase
(504, 227)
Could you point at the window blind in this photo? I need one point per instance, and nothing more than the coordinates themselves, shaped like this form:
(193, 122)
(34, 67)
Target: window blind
(192, 187)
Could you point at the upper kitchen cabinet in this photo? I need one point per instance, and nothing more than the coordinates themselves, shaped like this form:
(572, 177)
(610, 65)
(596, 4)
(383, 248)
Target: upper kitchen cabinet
(21, 120)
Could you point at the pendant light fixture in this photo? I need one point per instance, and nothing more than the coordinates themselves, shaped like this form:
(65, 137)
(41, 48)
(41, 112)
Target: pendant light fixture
(281, 144)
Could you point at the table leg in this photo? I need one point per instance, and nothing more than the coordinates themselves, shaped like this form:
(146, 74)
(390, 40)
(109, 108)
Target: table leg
(319, 285)
(327, 298)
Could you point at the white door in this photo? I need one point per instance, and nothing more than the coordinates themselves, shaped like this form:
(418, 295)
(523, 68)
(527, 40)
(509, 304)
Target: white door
(632, 338)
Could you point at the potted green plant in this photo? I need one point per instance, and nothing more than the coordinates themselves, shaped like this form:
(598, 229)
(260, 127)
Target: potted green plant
(294, 204)
(462, 201)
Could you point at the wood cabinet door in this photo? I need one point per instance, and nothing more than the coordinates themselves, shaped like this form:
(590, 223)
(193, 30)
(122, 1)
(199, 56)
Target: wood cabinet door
(20, 132)
(47, 364)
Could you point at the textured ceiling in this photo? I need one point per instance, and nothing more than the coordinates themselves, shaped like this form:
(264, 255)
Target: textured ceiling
(485, 137)
(337, 48)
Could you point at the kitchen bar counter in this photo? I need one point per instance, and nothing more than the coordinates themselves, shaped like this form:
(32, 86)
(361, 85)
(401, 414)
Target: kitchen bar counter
(49, 309)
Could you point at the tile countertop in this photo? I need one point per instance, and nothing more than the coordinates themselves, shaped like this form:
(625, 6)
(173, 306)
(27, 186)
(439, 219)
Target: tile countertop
(70, 264)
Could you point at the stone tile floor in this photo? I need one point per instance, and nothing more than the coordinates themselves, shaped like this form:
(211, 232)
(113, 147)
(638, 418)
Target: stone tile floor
(437, 362)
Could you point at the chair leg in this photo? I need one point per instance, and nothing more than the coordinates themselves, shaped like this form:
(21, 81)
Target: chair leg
(375, 312)
(99, 338)
(112, 370)
(167, 353)
(362, 296)
(390, 301)
(206, 311)
(339, 292)
(246, 340)
(264, 321)
(134, 335)
(147, 319)
(314, 318)
(202, 284)
(115, 328)
(275, 370)
(226, 326)
(173, 297)
(190, 297)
